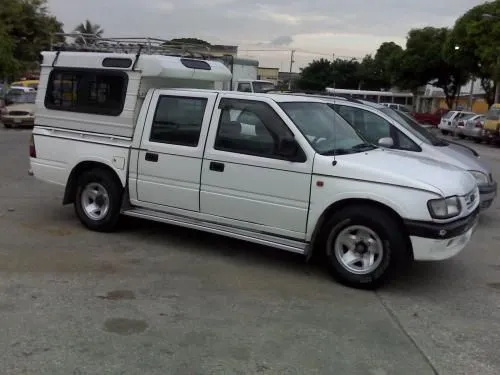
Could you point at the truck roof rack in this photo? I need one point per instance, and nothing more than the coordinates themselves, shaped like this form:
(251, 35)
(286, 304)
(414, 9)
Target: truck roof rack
(80, 42)
(317, 93)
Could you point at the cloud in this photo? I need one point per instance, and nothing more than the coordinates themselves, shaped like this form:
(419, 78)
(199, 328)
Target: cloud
(346, 28)
(284, 40)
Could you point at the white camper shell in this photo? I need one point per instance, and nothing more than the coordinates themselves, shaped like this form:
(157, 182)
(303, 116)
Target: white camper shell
(116, 83)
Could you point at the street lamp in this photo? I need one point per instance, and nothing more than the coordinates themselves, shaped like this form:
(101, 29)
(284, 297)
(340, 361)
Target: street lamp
(490, 16)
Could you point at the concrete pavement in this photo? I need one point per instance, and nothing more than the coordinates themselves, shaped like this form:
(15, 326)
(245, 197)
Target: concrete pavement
(156, 299)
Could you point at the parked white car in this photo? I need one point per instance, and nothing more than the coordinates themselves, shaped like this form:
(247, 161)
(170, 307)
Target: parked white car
(450, 120)
(279, 170)
(471, 126)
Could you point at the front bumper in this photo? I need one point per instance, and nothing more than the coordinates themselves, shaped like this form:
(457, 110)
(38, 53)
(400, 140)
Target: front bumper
(435, 241)
(487, 194)
(14, 121)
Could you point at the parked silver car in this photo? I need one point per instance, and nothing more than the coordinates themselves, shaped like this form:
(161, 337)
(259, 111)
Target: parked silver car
(450, 120)
(473, 128)
(462, 121)
(390, 128)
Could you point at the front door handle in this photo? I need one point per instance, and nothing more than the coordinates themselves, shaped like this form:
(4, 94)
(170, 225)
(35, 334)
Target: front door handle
(216, 166)
(151, 156)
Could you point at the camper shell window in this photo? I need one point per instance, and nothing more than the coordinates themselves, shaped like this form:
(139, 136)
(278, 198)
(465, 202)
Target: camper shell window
(93, 91)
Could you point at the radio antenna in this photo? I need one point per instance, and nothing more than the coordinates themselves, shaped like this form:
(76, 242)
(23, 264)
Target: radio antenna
(334, 162)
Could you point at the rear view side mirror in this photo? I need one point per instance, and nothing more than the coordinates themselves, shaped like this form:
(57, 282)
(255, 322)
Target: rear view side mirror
(288, 147)
(387, 142)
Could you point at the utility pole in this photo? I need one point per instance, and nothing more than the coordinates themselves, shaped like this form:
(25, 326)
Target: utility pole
(471, 93)
(291, 66)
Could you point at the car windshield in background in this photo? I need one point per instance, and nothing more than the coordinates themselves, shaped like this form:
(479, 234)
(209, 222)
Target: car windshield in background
(327, 132)
(493, 114)
(448, 115)
(409, 123)
(468, 116)
(25, 97)
(263, 87)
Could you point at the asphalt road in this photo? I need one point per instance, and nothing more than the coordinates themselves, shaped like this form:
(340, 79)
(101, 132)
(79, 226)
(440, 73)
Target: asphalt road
(156, 299)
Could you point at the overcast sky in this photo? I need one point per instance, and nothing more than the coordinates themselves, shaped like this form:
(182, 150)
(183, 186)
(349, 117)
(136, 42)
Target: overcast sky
(315, 28)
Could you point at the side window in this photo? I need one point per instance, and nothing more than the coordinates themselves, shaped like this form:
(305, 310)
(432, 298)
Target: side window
(244, 87)
(373, 127)
(249, 127)
(178, 120)
(87, 91)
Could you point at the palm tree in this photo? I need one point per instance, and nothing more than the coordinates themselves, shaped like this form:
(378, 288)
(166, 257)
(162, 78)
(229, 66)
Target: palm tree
(88, 27)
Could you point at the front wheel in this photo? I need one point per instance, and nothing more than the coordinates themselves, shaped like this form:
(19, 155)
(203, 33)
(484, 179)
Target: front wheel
(444, 132)
(98, 200)
(363, 246)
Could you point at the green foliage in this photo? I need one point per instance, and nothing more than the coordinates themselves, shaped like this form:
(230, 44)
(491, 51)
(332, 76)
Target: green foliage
(88, 27)
(316, 76)
(190, 41)
(27, 29)
(325, 73)
(476, 37)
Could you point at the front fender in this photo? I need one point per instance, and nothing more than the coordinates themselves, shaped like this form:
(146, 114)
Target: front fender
(405, 202)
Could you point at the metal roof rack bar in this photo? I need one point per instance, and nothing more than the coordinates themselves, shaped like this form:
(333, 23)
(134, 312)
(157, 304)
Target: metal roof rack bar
(80, 42)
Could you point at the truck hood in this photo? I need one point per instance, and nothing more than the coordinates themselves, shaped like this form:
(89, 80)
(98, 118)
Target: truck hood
(390, 167)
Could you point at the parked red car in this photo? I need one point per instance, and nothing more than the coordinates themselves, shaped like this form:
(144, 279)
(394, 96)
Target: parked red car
(430, 118)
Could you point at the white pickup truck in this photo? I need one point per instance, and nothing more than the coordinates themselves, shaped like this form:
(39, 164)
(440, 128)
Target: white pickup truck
(278, 170)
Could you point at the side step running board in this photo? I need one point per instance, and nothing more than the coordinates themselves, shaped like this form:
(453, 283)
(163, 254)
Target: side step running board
(241, 234)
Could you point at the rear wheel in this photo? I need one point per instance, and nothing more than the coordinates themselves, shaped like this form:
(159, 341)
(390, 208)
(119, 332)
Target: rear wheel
(477, 140)
(444, 132)
(98, 200)
(363, 246)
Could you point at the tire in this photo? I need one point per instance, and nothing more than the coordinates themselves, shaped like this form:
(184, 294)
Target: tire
(461, 136)
(8, 126)
(444, 132)
(386, 235)
(476, 140)
(98, 187)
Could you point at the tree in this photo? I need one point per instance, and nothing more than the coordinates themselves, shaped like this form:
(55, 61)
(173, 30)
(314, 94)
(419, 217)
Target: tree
(473, 45)
(387, 60)
(195, 41)
(8, 64)
(322, 73)
(316, 76)
(379, 72)
(345, 74)
(424, 62)
(27, 29)
(88, 27)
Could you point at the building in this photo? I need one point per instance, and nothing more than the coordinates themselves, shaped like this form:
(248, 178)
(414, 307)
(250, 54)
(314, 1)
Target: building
(268, 74)
(471, 97)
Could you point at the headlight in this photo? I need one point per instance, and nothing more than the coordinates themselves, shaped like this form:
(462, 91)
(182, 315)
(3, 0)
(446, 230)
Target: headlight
(481, 178)
(444, 208)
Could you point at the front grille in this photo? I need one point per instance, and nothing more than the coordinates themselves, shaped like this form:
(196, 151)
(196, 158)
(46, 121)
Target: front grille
(18, 113)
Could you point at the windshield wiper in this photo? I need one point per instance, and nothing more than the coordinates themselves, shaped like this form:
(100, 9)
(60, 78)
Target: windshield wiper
(363, 147)
(338, 151)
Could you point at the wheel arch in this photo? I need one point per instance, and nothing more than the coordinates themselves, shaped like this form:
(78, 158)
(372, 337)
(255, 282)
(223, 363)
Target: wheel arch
(319, 229)
(81, 167)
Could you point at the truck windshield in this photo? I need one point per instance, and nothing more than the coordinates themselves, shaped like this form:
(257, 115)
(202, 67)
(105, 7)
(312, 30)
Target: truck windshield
(263, 86)
(327, 132)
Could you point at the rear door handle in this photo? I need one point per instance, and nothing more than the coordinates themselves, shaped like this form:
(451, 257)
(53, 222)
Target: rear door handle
(151, 156)
(216, 166)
